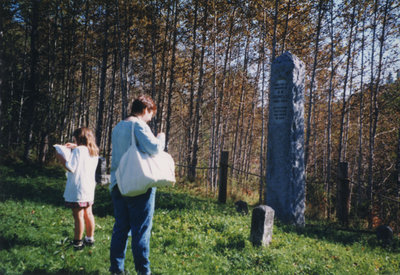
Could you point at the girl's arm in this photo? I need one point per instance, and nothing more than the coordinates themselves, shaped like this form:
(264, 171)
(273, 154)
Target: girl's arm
(62, 160)
(73, 162)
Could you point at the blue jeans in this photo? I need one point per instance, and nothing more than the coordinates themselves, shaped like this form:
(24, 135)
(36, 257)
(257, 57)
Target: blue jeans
(134, 215)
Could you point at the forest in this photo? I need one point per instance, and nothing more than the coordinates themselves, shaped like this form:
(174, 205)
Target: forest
(67, 64)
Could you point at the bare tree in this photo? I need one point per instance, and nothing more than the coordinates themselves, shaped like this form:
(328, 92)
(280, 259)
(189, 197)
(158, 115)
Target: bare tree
(99, 124)
(199, 96)
(321, 10)
(286, 25)
(329, 115)
(344, 106)
(172, 75)
(189, 127)
(360, 119)
(262, 177)
(33, 79)
(276, 12)
(163, 70)
(374, 109)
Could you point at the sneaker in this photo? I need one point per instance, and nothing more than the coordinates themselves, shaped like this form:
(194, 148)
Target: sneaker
(119, 273)
(88, 242)
(78, 244)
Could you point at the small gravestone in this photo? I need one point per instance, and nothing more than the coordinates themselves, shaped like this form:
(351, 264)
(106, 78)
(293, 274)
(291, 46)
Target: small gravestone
(262, 222)
(101, 172)
(285, 179)
(384, 234)
(241, 207)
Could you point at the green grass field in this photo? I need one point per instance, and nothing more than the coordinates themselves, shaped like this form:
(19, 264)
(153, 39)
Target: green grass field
(191, 235)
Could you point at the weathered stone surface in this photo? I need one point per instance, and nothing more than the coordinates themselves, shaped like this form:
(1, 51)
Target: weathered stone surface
(262, 223)
(285, 178)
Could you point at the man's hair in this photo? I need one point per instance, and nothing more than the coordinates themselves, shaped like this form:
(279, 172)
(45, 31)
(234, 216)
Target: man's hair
(141, 103)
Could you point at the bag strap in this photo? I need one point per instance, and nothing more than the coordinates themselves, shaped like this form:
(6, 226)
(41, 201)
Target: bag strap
(133, 140)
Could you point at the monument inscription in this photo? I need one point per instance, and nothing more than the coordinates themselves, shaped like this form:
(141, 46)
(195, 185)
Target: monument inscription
(279, 101)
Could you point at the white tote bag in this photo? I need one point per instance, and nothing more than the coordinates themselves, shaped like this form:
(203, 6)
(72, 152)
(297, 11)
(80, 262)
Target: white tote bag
(138, 171)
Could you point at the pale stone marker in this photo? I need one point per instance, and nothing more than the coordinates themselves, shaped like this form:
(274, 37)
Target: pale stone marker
(262, 222)
(285, 179)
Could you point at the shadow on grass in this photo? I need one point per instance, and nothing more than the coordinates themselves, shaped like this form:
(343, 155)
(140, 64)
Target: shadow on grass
(30, 182)
(35, 170)
(168, 201)
(346, 236)
(60, 272)
(42, 184)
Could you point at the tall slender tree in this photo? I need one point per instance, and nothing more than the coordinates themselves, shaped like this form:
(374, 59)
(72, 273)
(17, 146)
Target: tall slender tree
(190, 122)
(200, 91)
(321, 11)
(172, 74)
(105, 52)
(33, 77)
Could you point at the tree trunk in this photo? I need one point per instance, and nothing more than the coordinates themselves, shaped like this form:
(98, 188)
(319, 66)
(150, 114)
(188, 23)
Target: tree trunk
(237, 152)
(199, 97)
(344, 101)
(310, 100)
(360, 121)
(286, 26)
(21, 100)
(398, 182)
(189, 128)
(329, 119)
(163, 72)
(82, 102)
(250, 122)
(275, 27)
(111, 111)
(213, 153)
(154, 29)
(2, 46)
(103, 78)
(33, 79)
(219, 137)
(122, 72)
(374, 108)
(261, 184)
(172, 75)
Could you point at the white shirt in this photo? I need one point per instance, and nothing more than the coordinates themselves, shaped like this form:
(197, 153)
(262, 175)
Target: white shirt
(81, 180)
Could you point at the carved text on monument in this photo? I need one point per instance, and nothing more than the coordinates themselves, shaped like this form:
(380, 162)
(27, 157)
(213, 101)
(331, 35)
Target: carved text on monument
(279, 100)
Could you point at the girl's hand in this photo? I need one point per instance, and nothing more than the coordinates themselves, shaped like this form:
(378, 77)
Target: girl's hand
(71, 145)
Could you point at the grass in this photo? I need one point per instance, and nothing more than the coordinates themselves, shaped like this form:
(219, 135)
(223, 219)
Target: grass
(191, 235)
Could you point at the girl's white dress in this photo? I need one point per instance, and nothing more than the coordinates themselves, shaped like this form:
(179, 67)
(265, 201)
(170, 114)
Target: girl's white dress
(81, 181)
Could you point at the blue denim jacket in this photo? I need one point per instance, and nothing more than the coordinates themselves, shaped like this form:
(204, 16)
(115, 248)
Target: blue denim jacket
(121, 141)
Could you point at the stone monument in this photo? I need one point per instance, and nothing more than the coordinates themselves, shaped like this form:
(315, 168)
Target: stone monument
(285, 179)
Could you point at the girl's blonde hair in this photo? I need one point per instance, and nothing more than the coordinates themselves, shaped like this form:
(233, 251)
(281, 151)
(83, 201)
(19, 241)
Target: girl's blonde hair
(84, 136)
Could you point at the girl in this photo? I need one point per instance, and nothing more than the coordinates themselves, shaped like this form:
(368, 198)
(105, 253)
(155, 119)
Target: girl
(79, 190)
